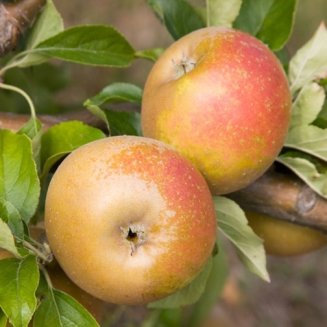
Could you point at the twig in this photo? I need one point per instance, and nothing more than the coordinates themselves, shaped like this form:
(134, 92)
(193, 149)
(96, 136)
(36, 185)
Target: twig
(45, 257)
(15, 18)
(23, 94)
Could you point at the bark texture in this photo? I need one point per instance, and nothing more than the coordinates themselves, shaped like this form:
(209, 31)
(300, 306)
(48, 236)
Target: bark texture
(15, 18)
(284, 196)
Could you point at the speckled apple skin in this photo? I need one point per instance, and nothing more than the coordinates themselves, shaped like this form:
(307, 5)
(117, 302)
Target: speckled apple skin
(228, 113)
(103, 188)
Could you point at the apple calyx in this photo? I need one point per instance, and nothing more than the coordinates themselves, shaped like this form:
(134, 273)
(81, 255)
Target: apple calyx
(184, 66)
(135, 235)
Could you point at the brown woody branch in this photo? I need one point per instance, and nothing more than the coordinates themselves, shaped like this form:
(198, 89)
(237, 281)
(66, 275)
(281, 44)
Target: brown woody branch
(15, 121)
(279, 195)
(15, 18)
(286, 197)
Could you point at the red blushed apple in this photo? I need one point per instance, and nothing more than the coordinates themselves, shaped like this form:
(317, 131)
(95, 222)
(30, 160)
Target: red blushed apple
(129, 219)
(219, 97)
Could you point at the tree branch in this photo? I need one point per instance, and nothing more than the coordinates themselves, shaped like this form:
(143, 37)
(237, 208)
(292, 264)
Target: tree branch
(284, 196)
(15, 121)
(15, 18)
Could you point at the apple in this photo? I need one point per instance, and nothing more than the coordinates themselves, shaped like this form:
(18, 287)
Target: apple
(221, 98)
(129, 220)
(282, 238)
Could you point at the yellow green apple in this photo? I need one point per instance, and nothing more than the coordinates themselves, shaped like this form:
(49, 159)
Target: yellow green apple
(221, 98)
(282, 238)
(129, 219)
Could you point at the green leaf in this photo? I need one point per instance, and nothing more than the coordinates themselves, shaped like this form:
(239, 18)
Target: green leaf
(90, 45)
(97, 112)
(61, 139)
(233, 224)
(269, 20)
(222, 12)
(164, 318)
(214, 287)
(118, 122)
(18, 283)
(308, 104)
(19, 183)
(252, 15)
(117, 92)
(3, 319)
(150, 54)
(321, 120)
(7, 240)
(179, 16)
(187, 295)
(12, 217)
(309, 139)
(32, 128)
(59, 309)
(306, 169)
(48, 24)
(170, 318)
(123, 122)
(278, 24)
(309, 63)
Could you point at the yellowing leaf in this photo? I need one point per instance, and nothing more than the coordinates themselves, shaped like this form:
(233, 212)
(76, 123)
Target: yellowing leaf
(7, 241)
(222, 13)
(308, 104)
(310, 62)
(233, 224)
(307, 171)
(309, 139)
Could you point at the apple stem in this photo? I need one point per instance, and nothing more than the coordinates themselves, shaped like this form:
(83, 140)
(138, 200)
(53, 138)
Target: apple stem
(46, 276)
(23, 94)
(45, 255)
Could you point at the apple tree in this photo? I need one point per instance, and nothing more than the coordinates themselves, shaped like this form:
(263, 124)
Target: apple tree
(32, 35)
